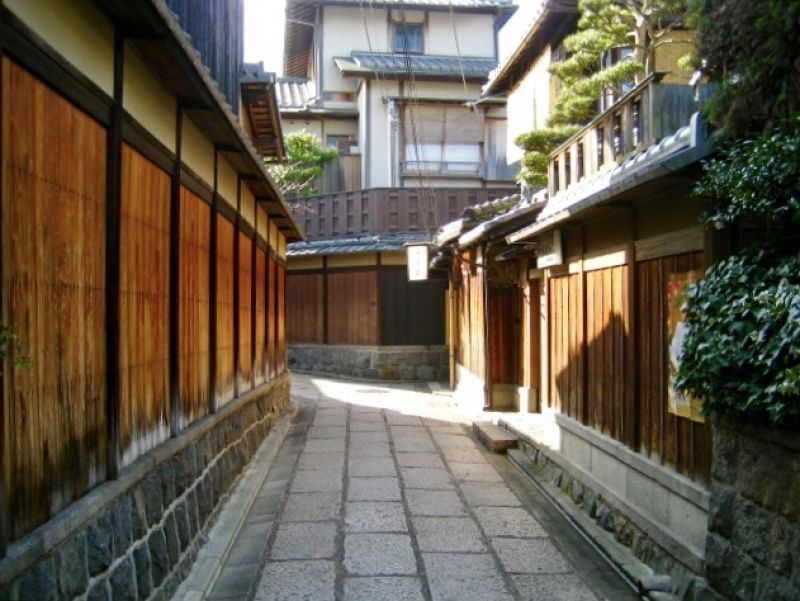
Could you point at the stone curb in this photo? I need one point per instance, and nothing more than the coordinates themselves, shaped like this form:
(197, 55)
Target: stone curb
(232, 515)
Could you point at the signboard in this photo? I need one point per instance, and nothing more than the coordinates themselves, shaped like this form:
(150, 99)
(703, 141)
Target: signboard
(677, 402)
(549, 254)
(417, 262)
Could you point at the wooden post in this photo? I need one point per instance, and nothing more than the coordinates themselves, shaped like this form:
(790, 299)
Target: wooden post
(379, 296)
(583, 412)
(267, 306)
(5, 394)
(113, 254)
(487, 330)
(236, 334)
(632, 415)
(212, 291)
(174, 277)
(324, 299)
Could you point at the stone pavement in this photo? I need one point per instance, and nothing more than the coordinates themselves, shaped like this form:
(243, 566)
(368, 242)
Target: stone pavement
(380, 493)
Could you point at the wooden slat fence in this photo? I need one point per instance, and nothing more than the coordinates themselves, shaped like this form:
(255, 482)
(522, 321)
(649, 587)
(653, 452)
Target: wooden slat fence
(144, 306)
(306, 308)
(55, 220)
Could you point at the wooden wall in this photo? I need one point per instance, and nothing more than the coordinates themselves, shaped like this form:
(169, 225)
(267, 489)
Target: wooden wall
(612, 379)
(100, 390)
(225, 308)
(504, 333)
(470, 319)
(366, 305)
(193, 292)
(54, 440)
(144, 413)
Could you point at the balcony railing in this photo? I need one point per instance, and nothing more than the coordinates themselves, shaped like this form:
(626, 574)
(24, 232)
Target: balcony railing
(388, 210)
(640, 119)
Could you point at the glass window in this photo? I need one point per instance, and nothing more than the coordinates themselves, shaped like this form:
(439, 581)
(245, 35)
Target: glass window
(408, 37)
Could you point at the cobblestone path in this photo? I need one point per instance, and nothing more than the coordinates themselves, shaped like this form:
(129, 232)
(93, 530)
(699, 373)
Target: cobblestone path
(379, 497)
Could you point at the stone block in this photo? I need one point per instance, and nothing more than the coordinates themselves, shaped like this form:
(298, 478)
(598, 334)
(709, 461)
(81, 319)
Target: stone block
(425, 373)
(368, 554)
(151, 489)
(99, 544)
(729, 571)
(100, 591)
(752, 530)
(494, 438)
(387, 373)
(184, 468)
(371, 373)
(122, 581)
(400, 588)
(171, 534)
(39, 582)
(167, 473)
(159, 556)
(466, 577)
(406, 372)
(123, 530)
(138, 514)
(297, 580)
(72, 566)
(771, 587)
(443, 374)
(720, 512)
(141, 561)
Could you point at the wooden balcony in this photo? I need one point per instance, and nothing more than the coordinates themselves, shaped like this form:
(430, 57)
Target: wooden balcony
(384, 210)
(641, 118)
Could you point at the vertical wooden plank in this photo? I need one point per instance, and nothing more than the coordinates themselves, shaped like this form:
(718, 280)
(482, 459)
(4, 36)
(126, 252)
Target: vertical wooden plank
(325, 308)
(4, 430)
(236, 292)
(633, 416)
(213, 232)
(253, 307)
(174, 277)
(112, 266)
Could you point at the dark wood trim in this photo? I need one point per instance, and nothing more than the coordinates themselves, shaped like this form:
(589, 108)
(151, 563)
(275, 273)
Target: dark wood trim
(633, 409)
(247, 229)
(226, 210)
(487, 333)
(324, 297)
(212, 295)
(236, 335)
(113, 256)
(30, 51)
(253, 301)
(276, 313)
(174, 276)
(3, 367)
(261, 243)
(145, 143)
(584, 411)
(196, 184)
(378, 296)
(268, 301)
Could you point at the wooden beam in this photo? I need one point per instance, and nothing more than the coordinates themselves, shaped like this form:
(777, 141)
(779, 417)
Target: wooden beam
(4, 431)
(174, 276)
(253, 281)
(113, 254)
(324, 299)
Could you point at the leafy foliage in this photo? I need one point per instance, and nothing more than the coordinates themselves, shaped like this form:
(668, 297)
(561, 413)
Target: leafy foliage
(751, 49)
(742, 350)
(538, 144)
(306, 161)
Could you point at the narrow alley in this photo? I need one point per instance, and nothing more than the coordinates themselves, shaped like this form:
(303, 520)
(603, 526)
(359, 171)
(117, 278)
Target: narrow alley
(380, 493)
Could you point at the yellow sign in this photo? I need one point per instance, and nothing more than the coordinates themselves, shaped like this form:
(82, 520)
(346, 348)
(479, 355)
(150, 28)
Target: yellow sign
(677, 402)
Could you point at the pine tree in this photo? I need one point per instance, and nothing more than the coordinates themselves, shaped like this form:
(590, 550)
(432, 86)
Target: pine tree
(603, 25)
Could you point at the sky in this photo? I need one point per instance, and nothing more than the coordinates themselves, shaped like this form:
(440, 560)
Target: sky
(263, 33)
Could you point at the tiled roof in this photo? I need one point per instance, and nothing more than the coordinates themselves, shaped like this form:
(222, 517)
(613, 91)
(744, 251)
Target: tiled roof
(353, 244)
(295, 92)
(387, 63)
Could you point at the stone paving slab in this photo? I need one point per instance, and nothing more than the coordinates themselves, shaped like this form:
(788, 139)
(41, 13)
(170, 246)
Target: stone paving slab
(465, 577)
(419, 460)
(413, 444)
(553, 587)
(426, 477)
(312, 507)
(489, 494)
(475, 472)
(371, 466)
(317, 481)
(435, 503)
(369, 449)
(448, 534)
(373, 489)
(302, 540)
(399, 588)
(327, 432)
(463, 455)
(367, 426)
(508, 521)
(375, 516)
(326, 461)
(379, 554)
(530, 556)
(292, 580)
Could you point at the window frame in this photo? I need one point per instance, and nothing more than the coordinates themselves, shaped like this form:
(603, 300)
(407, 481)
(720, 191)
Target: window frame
(400, 34)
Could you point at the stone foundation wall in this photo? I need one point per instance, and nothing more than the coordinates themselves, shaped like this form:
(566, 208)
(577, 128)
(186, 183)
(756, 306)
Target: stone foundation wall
(136, 537)
(682, 582)
(392, 363)
(753, 547)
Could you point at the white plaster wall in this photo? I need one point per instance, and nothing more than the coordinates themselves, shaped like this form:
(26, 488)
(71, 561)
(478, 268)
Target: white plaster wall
(263, 222)
(248, 205)
(343, 31)
(227, 181)
(147, 100)
(291, 126)
(197, 152)
(475, 34)
(77, 31)
(528, 104)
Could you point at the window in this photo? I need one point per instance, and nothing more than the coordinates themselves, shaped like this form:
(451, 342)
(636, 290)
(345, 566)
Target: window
(636, 117)
(580, 161)
(601, 140)
(408, 37)
(442, 140)
(568, 169)
(556, 182)
(340, 142)
(617, 134)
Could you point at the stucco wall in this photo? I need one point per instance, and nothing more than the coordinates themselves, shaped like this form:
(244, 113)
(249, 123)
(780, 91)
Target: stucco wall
(529, 104)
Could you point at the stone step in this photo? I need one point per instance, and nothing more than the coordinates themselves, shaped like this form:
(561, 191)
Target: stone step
(493, 437)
